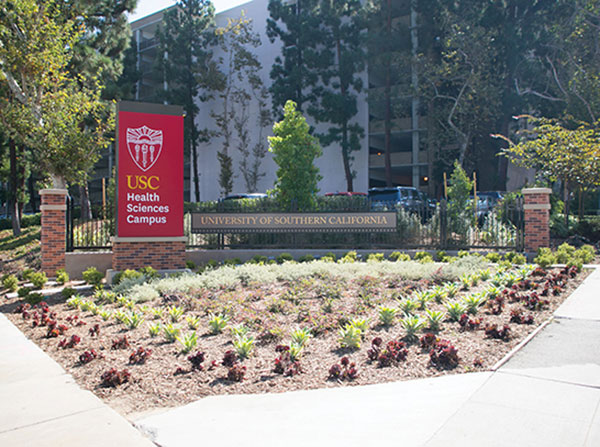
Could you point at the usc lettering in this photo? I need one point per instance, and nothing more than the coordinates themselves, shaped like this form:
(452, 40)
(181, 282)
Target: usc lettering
(143, 182)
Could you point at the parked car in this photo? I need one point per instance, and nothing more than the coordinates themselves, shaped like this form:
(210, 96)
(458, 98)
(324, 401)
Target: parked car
(346, 194)
(406, 197)
(250, 195)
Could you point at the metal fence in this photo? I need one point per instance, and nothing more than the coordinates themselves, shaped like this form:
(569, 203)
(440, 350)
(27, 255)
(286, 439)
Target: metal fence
(441, 227)
(89, 232)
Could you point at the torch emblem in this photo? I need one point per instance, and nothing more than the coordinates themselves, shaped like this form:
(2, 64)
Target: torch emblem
(144, 146)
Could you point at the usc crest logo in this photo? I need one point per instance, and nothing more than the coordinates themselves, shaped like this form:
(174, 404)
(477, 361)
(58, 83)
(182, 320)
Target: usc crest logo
(145, 146)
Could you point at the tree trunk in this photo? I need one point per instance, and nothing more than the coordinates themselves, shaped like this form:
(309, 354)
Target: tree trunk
(13, 189)
(195, 159)
(84, 201)
(31, 188)
(346, 158)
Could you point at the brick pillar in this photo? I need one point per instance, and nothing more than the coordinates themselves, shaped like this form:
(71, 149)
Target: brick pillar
(537, 218)
(54, 209)
(161, 253)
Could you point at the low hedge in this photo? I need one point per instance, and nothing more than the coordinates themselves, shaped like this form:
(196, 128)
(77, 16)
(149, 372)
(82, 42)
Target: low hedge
(28, 220)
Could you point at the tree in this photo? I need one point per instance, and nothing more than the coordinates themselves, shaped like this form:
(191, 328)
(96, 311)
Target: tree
(42, 107)
(460, 79)
(335, 99)
(188, 67)
(294, 152)
(460, 209)
(387, 46)
(242, 86)
(569, 152)
(298, 26)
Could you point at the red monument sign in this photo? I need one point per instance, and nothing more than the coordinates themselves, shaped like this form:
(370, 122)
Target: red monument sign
(150, 170)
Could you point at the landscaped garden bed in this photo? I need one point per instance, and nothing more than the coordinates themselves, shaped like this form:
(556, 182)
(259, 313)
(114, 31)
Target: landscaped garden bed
(271, 328)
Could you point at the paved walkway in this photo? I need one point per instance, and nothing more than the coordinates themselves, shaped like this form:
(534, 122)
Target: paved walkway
(40, 404)
(547, 394)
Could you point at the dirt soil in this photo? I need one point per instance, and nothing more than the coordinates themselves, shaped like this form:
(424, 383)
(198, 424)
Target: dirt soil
(167, 378)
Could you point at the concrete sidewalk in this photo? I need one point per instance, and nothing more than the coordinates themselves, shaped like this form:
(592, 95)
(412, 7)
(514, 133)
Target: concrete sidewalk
(547, 394)
(40, 404)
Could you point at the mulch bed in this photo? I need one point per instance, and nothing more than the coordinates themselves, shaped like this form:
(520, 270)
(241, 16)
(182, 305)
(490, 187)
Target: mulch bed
(167, 378)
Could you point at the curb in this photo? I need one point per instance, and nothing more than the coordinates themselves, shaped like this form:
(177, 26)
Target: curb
(520, 346)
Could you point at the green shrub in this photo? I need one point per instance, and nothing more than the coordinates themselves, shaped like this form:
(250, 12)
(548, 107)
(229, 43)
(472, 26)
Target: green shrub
(306, 258)
(349, 257)
(126, 274)
(93, 277)
(68, 292)
(423, 257)
(518, 259)
(399, 256)
(26, 274)
(441, 256)
(212, 264)
(24, 291)
(330, 254)
(493, 257)
(564, 253)
(463, 253)
(375, 257)
(38, 279)
(149, 272)
(232, 262)
(258, 259)
(34, 298)
(190, 265)
(575, 262)
(284, 257)
(10, 282)
(586, 253)
(62, 276)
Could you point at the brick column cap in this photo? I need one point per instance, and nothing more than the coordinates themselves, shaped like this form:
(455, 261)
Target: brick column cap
(57, 192)
(150, 239)
(537, 191)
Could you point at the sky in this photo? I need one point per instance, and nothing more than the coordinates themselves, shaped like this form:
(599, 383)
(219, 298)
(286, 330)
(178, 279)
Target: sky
(146, 7)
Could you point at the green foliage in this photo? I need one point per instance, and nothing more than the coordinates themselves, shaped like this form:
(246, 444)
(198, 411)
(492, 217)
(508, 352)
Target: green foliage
(133, 320)
(300, 337)
(460, 207)
(455, 309)
(34, 298)
(175, 313)
(38, 279)
(243, 346)
(360, 323)
(171, 332)
(375, 257)
(68, 292)
(408, 306)
(62, 276)
(434, 318)
(473, 302)
(188, 342)
(284, 257)
(412, 324)
(399, 256)
(189, 264)
(423, 257)
(10, 283)
(306, 258)
(193, 322)
(387, 315)
(545, 258)
(294, 152)
(350, 337)
(191, 71)
(93, 277)
(493, 257)
(258, 259)
(26, 274)
(349, 257)
(217, 323)
(154, 329)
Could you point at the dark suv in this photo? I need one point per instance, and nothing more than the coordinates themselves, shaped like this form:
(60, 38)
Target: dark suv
(405, 197)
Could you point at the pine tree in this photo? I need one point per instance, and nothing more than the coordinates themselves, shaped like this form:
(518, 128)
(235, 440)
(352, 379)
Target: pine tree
(335, 99)
(189, 69)
(297, 26)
